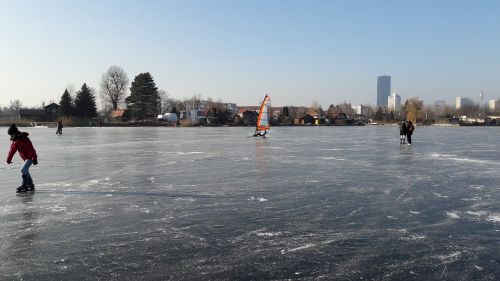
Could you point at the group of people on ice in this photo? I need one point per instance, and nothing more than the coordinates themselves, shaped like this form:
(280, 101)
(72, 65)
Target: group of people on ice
(406, 129)
(21, 143)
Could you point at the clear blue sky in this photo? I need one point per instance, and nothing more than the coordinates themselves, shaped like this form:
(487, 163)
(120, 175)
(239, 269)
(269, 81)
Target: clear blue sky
(236, 51)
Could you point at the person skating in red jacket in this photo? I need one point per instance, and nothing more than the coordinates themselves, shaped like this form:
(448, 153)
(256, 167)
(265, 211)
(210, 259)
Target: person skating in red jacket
(22, 144)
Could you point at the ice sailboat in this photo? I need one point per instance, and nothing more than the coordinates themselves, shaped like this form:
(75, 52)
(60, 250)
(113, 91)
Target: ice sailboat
(263, 118)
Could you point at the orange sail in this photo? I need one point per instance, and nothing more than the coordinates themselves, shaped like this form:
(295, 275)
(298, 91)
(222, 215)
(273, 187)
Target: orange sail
(263, 119)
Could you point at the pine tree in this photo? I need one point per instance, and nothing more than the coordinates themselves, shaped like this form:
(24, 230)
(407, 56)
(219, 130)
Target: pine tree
(85, 106)
(144, 99)
(66, 107)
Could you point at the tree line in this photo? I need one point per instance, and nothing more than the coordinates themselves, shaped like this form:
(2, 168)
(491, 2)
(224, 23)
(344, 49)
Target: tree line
(145, 101)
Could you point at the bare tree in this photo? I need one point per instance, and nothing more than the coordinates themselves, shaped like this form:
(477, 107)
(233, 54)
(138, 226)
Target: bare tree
(165, 101)
(15, 107)
(114, 85)
(192, 103)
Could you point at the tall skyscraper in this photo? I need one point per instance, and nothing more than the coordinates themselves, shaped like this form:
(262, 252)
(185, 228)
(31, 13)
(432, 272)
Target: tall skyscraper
(383, 90)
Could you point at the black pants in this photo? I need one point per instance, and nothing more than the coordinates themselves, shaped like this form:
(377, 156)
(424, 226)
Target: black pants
(408, 138)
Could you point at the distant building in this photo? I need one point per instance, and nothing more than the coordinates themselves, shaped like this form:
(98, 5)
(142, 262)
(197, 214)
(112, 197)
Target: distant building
(461, 102)
(361, 109)
(440, 103)
(494, 105)
(48, 113)
(232, 108)
(394, 102)
(383, 90)
(118, 115)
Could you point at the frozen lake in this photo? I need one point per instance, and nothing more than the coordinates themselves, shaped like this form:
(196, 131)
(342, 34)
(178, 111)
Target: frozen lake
(323, 203)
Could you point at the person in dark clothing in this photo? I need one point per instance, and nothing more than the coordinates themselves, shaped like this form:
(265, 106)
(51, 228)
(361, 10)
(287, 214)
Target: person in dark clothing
(59, 127)
(411, 128)
(259, 134)
(403, 130)
(22, 144)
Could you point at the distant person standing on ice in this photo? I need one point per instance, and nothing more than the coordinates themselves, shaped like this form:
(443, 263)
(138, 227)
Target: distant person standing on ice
(411, 128)
(59, 127)
(22, 144)
(403, 130)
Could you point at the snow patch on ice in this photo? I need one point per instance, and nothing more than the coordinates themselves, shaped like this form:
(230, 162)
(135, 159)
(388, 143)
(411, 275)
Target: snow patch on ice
(452, 215)
(414, 237)
(268, 234)
(260, 199)
(57, 209)
(494, 217)
(332, 158)
(306, 246)
(441, 155)
(439, 195)
(472, 199)
(191, 152)
(450, 258)
(477, 214)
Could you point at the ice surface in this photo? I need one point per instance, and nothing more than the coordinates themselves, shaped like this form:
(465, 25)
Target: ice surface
(332, 203)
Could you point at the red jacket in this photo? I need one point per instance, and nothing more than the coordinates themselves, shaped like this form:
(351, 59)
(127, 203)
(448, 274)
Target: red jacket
(22, 144)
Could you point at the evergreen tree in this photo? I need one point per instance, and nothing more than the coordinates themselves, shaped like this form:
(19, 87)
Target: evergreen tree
(286, 113)
(66, 107)
(85, 106)
(144, 99)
